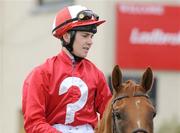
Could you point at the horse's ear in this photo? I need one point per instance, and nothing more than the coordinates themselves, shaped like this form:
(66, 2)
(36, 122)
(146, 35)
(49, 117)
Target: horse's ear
(147, 80)
(116, 78)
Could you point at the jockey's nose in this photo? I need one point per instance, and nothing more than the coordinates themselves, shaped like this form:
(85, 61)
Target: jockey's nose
(139, 130)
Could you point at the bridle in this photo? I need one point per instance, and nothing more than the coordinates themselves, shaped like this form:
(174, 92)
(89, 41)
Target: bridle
(137, 94)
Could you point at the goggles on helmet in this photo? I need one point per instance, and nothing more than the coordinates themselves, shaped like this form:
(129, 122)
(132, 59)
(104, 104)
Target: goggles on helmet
(87, 15)
(81, 16)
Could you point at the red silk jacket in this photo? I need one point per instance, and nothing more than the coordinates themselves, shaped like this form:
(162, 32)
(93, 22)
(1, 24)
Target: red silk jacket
(61, 91)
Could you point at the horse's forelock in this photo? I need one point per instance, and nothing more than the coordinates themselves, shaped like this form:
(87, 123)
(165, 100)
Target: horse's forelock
(130, 87)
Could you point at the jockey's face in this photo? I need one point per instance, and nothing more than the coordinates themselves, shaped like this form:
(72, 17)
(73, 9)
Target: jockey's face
(82, 43)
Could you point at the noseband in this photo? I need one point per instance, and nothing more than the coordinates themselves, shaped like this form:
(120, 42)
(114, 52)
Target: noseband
(138, 94)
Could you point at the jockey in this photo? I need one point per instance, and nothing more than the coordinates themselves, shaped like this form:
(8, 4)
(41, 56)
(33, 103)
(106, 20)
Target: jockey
(65, 93)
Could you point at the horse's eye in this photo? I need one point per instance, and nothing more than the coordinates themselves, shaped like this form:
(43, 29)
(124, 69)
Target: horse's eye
(118, 115)
(154, 114)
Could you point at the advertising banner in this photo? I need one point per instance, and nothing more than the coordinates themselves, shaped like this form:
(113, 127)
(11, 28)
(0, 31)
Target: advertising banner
(148, 35)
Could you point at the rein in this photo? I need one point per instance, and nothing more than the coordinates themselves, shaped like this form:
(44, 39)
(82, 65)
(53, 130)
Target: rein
(138, 94)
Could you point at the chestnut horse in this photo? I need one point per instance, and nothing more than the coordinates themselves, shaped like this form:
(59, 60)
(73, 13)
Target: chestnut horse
(130, 109)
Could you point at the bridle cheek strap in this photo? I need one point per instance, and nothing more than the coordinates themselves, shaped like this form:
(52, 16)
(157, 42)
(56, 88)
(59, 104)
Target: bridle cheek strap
(113, 123)
(114, 130)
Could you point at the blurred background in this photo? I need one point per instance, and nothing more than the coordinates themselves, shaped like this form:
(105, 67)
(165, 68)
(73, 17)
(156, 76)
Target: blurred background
(137, 34)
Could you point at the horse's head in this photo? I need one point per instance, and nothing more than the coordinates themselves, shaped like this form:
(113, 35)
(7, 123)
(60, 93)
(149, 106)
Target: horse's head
(132, 110)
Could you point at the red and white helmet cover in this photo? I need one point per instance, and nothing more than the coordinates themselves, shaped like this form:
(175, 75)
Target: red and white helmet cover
(69, 13)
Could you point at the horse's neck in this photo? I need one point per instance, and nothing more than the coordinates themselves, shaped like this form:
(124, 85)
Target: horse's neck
(105, 125)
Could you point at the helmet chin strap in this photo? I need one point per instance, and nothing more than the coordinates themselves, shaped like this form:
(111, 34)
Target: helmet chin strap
(69, 46)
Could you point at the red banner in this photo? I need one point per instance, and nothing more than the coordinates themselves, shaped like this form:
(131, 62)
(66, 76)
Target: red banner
(148, 35)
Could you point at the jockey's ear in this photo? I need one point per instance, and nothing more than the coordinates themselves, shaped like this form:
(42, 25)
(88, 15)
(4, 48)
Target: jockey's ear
(147, 80)
(116, 78)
